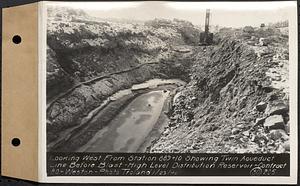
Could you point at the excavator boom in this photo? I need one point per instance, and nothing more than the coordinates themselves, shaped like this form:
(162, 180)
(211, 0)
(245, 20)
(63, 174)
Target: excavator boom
(206, 38)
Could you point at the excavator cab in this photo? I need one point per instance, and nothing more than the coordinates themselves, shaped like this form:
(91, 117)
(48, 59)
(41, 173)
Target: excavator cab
(206, 38)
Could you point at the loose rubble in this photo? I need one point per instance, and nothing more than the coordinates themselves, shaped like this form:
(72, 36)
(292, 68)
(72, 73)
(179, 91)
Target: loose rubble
(238, 107)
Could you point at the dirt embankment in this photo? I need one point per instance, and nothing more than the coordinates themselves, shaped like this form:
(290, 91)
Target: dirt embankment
(234, 102)
(88, 61)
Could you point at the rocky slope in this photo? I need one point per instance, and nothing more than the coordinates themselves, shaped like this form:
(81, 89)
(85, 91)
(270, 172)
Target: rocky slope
(237, 99)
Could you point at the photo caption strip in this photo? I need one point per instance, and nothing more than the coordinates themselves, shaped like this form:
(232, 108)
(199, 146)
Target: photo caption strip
(140, 164)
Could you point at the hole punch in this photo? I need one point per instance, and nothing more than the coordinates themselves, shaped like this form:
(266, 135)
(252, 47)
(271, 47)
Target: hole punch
(17, 39)
(16, 142)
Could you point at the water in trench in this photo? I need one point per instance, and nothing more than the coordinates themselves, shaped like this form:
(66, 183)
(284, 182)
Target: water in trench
(129, 129)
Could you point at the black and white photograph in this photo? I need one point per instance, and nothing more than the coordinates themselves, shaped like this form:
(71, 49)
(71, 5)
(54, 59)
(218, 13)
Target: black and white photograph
(165, 88)
(150, 92)
(163, 77)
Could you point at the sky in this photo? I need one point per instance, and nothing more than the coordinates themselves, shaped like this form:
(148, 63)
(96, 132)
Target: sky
(224, 14)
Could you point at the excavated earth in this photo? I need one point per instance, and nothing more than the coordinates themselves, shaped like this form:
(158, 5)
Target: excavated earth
(235, 98)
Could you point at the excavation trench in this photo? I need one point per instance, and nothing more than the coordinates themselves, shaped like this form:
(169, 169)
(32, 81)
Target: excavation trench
(92, 105)
(126, 122)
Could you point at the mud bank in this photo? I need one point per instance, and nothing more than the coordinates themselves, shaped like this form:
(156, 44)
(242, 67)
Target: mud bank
(89, 61)
(107, 114)
(68, 110)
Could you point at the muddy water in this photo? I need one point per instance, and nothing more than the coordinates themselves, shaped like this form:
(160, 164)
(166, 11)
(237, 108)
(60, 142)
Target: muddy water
(128, 130)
